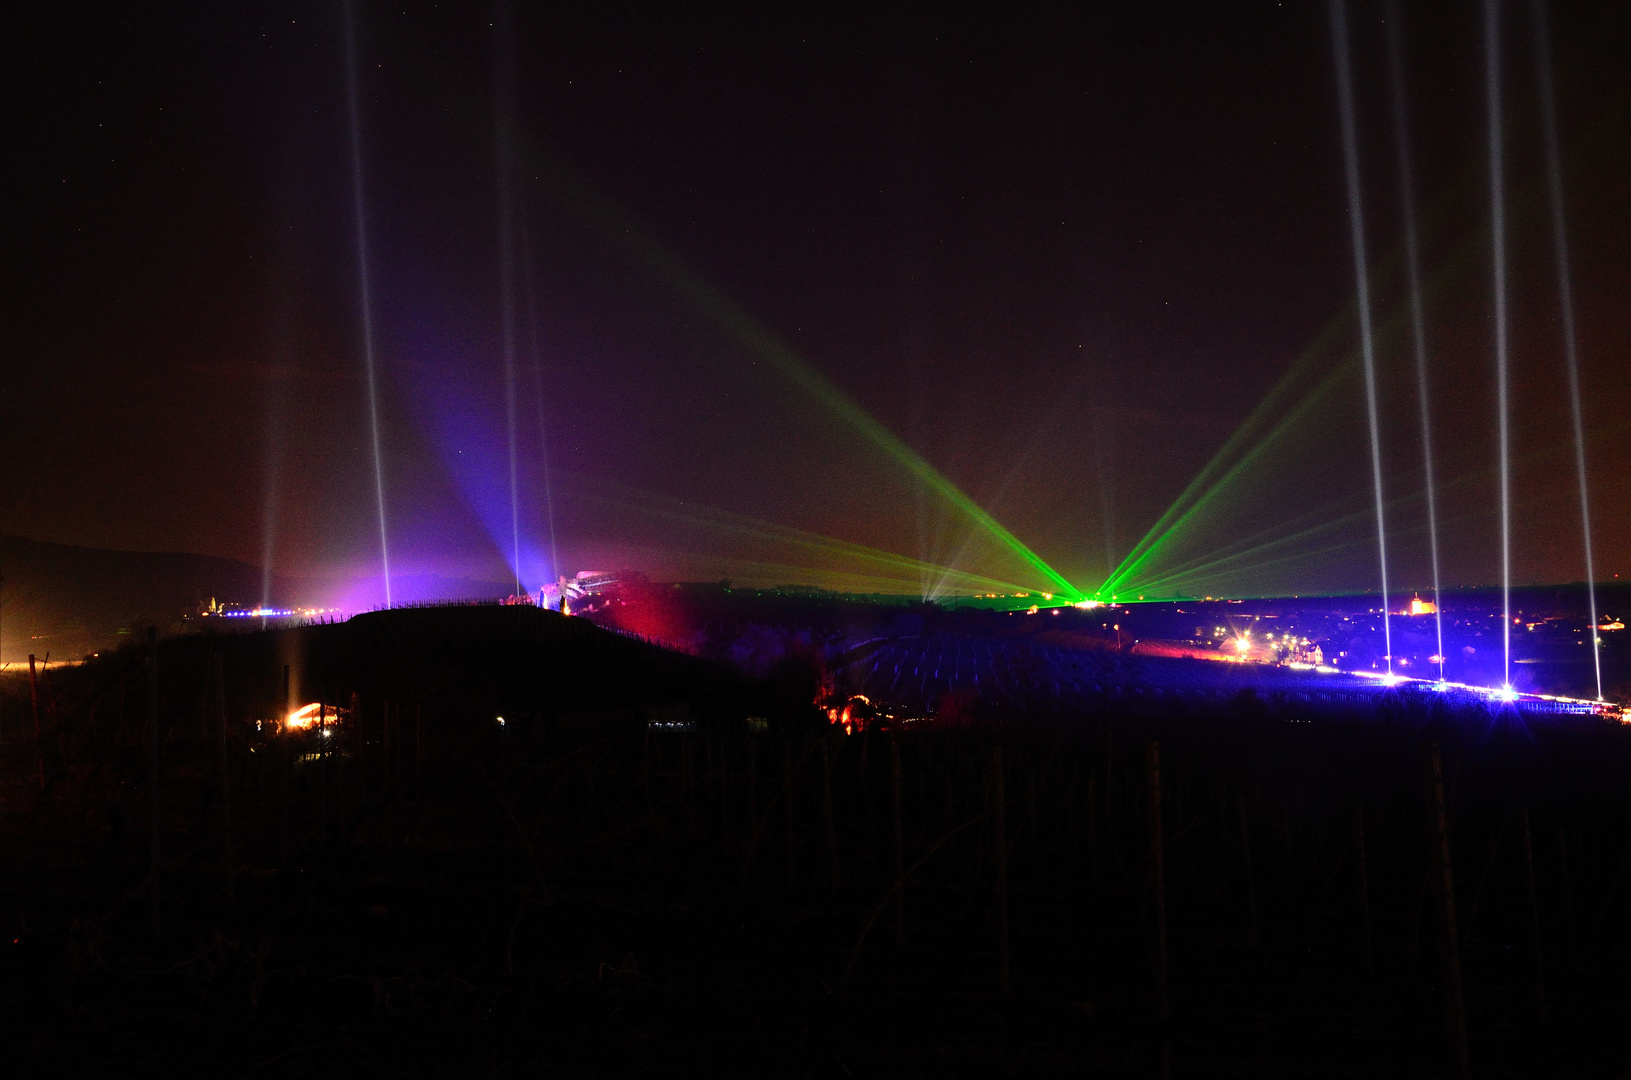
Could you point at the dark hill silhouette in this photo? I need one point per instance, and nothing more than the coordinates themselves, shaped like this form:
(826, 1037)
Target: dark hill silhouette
(70, 601)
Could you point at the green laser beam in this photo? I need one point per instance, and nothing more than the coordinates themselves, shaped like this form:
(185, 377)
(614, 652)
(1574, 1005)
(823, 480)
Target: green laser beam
(1185, 586)
(778, 573)
(1258, 451)
(723, 520)
(1268, 408)
(1207, 486)
(1254, 543)
(672, 509)
(667, 266)
(1043, 431)
(1361, 541)
(1211, 569)
(1338, 324)
(1226, 564)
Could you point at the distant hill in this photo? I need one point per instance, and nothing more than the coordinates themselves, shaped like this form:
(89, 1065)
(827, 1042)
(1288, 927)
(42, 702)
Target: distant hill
(69, 601)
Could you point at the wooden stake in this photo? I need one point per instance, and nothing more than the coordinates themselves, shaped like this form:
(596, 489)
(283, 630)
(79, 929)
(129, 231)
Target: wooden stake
(322, 761)
(1568, 898)
(153, 893)
(1030, 821)
(687, 749)
(397, 778)
(787, 794)
(753, 794)
(1109, 790)
(1534, 916)
(1072, 825)
(1455, 1017)
(1158, 888)
(826, 813)
(206, 701)
(1110, 797)
(724, 797)
(922, 802)
(1291, 862)
(1364, 886)
(34, 702)
(708, 763)
(357, 769)
(1246, 859)
(386, 744)
(226, 782)
(984, 844)
(1092, 828)
(1000, 846)
(899, 902)
(288, 770)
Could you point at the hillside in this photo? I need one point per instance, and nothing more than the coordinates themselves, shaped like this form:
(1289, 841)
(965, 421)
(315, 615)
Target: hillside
(69, 601)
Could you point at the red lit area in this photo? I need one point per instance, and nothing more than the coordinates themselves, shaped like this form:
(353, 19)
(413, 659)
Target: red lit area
(315, 716)
(636, 606)
(853, 715)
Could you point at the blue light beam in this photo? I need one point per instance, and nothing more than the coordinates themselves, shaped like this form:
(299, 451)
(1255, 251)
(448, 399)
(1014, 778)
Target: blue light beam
(1418, 323)
(365, 292)
(1497, 213)
(1565, 291)
(1356, 226)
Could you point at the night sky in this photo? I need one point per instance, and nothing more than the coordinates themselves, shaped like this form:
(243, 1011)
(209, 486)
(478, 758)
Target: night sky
(1062, 255)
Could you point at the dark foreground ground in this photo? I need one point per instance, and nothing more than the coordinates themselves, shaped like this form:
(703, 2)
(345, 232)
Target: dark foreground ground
(630, 876)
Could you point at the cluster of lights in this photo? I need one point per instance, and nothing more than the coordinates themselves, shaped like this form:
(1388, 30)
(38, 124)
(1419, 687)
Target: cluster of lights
(309, 716)
(273, 613)
(1505, 693)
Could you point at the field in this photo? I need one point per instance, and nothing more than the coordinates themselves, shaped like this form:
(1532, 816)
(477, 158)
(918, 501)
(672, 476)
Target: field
(659, 863)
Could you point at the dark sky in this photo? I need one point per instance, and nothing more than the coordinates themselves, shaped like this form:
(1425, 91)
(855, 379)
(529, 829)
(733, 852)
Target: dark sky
(1061, 254)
